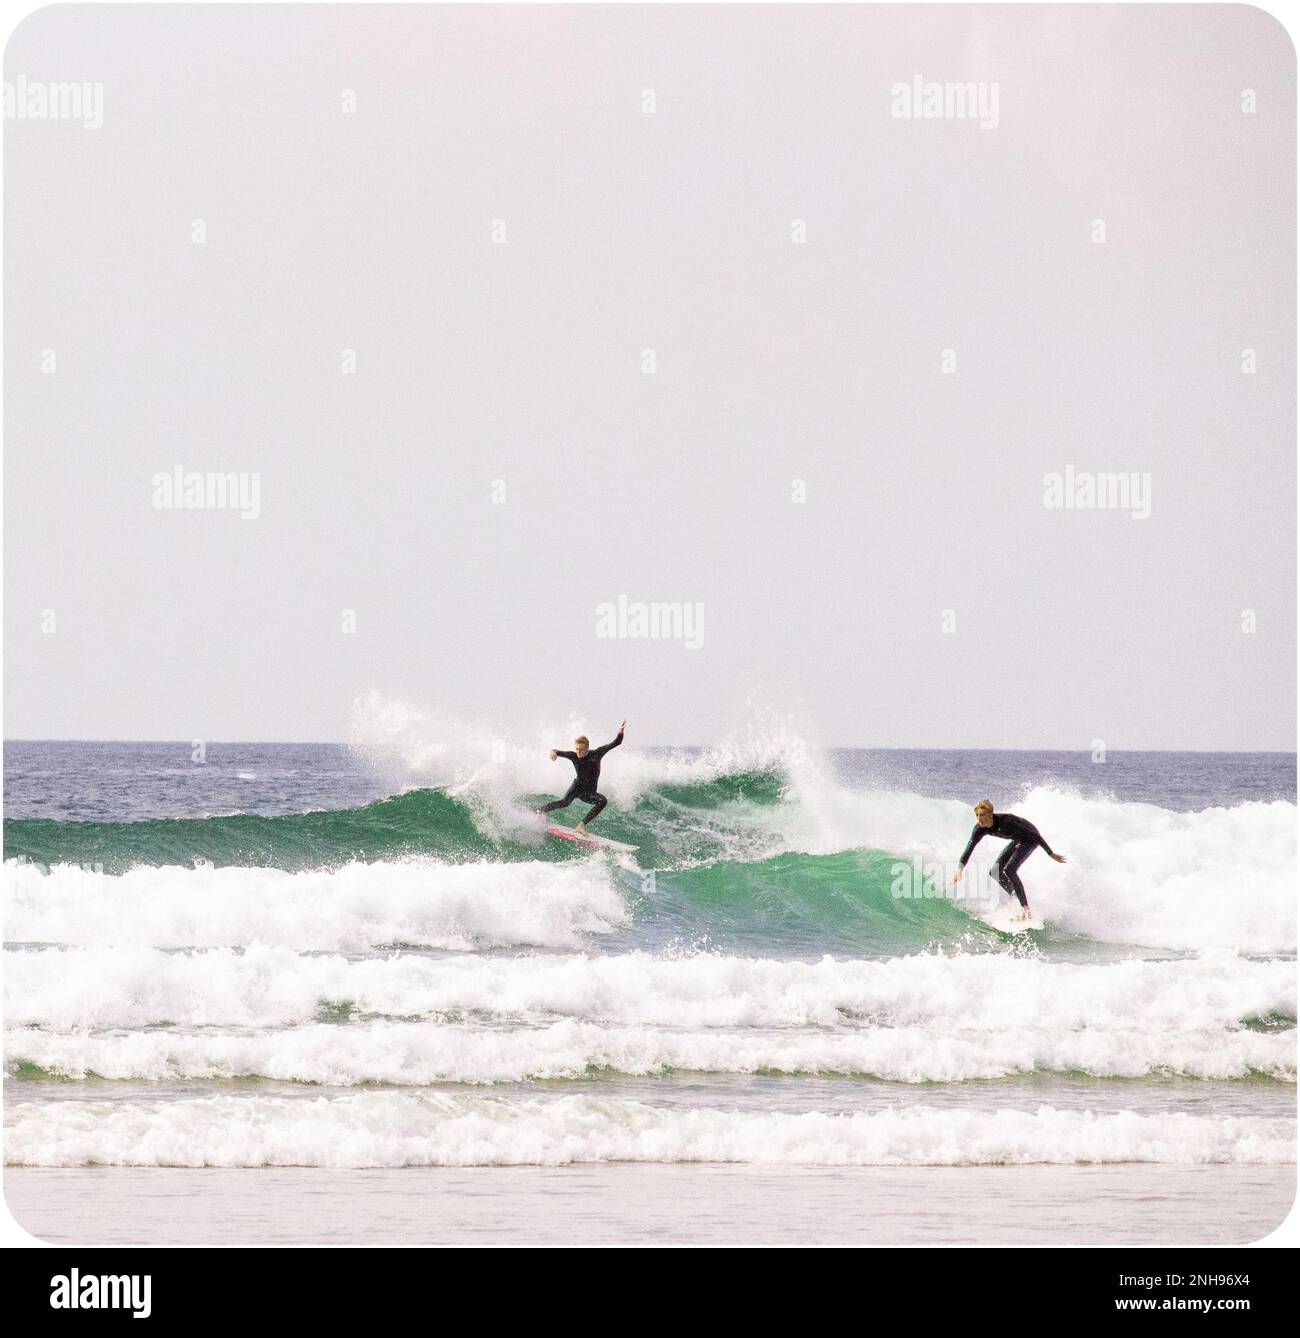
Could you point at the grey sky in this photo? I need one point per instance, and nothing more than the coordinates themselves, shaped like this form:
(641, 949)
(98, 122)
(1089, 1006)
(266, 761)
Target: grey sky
(775, 361)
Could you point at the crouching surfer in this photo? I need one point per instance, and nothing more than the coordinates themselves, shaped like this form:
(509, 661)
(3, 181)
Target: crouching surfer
(1024, 839)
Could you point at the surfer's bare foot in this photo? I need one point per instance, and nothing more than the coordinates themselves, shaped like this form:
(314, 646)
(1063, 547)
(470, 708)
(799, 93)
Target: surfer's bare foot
(581, 827)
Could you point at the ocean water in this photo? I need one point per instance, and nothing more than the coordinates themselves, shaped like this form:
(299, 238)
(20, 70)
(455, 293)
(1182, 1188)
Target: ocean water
(362, 959)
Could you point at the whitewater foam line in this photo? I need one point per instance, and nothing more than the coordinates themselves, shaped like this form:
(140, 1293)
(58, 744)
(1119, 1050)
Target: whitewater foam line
(420, 1054)
(455, 907)
(375, 1129)
(131, 987)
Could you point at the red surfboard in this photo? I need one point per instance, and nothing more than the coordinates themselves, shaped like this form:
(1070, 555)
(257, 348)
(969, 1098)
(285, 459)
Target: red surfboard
(587, 839)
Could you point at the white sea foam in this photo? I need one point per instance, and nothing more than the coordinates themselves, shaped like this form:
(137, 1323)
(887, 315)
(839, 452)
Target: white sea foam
(1145, 875)
(372, 1129)
(348, 909)
(420, 1053)
(1135, 873)
(269, 986)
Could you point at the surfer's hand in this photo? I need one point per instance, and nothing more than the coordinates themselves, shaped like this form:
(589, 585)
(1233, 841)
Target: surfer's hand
(1060, 859)
(622, 727)
(554, 754)
(956, 878)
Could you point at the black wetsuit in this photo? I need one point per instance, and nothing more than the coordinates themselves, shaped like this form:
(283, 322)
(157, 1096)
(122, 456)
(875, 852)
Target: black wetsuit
(584, 783)
(1025, 838)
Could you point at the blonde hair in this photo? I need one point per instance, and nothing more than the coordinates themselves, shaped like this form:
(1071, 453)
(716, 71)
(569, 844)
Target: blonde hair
(984, 806)
(582, 738)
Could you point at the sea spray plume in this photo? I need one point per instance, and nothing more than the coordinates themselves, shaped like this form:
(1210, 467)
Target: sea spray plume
(494, 773)
(477, 764)
(433, 749)
(497, 776)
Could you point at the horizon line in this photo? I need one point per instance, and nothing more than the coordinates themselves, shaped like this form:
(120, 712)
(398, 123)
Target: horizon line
(835, 747)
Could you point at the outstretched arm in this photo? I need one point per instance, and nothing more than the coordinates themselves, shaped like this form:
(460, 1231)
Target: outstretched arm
(559, 752)
(605, 747)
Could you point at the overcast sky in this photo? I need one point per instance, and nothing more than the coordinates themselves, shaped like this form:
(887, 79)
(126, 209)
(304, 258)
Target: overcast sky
(500, 463)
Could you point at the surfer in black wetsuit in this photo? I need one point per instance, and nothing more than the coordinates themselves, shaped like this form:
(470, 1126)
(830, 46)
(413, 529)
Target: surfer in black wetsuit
(1024, 837)
(586, 762)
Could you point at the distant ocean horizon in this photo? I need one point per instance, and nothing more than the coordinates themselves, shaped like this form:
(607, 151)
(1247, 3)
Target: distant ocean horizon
(342, 774)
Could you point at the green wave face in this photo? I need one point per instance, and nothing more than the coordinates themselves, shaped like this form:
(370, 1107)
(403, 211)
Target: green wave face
(673, 823)
(843, 902)
(712, 868)
(424, 822)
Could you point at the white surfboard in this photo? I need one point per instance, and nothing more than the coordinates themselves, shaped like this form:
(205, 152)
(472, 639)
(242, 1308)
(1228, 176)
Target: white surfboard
(1002, 918)
(587, 839)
